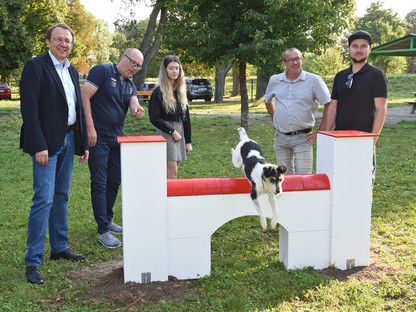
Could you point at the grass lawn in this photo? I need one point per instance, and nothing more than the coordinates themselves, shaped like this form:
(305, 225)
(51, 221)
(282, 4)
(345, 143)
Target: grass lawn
(246, 273)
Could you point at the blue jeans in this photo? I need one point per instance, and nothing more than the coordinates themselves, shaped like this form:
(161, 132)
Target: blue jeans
(104, 164)
(294, 147)
(51, 184)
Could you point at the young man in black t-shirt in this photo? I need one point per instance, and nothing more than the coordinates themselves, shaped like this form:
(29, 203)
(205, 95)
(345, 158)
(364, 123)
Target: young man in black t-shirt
(359, 93)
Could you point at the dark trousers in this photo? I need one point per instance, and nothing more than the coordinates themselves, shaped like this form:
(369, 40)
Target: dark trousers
(104, 164)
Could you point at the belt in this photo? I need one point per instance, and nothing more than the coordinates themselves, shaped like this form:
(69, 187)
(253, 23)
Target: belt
(298, 132)
(69, 128)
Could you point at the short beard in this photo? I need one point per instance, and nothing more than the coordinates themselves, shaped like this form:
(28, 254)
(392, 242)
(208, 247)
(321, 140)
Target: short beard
(354, 60)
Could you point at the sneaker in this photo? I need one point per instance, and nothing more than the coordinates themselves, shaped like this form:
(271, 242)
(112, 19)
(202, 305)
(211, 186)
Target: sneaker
(115, 229)
(108, 240)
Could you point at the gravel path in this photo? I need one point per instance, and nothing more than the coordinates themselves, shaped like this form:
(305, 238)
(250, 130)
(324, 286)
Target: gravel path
(394, 115)
(397, 114)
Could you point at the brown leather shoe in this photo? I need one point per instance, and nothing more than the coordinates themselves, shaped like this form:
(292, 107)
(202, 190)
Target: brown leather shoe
(33, 275)
(68, 255)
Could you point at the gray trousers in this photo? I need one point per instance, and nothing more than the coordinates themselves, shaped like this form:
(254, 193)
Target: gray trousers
(294, 152)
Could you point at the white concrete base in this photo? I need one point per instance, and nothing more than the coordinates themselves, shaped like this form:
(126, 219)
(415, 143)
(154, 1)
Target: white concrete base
(319, 225)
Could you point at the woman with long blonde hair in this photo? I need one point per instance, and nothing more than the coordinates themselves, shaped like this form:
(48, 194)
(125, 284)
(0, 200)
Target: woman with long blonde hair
(169, 113)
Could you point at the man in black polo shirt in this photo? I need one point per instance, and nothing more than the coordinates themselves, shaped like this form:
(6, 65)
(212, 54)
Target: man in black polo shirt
(359, 93)
(107, 95)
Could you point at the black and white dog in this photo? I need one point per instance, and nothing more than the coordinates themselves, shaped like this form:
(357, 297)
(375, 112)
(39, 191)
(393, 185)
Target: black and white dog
(263, 176)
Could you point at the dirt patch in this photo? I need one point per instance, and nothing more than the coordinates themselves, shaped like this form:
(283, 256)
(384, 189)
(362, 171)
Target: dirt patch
(376, 271)
(107, 283)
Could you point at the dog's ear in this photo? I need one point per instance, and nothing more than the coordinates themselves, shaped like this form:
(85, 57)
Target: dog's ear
(282, 169)
(269, 171)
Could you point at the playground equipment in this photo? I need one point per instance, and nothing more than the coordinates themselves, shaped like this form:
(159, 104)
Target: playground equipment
(324, 218)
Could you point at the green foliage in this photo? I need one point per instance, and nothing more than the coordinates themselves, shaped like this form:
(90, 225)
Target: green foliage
(329, 63)
(38, 17)
(119, 44)
(26, 23)
(384, 25)
(253, 31)
(133, 32)
(411, 21)
(83, 24)
(105, 53)
(411, 28)
(14, 42)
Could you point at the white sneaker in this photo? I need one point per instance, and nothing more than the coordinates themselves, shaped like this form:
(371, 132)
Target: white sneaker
(108, 240)
(115, 229)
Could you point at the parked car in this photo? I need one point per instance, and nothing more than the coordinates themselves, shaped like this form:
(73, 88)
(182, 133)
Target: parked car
(198, 88)
(5, 92)
(149, 86)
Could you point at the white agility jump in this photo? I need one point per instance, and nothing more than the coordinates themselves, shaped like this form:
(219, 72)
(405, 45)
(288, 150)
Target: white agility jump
(324, 219)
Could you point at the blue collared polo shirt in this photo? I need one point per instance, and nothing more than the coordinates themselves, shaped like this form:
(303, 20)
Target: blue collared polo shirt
(110, 103)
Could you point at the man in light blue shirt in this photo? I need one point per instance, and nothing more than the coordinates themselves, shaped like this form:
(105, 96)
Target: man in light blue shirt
(297, 95)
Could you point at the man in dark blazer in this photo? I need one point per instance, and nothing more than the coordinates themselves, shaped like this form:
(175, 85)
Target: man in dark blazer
(53, 131)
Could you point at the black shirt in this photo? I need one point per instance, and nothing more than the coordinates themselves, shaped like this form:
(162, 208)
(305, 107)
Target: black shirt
(355, 107)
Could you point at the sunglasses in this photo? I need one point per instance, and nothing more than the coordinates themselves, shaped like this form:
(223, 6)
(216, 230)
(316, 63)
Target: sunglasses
(170, 58)
(349, 81)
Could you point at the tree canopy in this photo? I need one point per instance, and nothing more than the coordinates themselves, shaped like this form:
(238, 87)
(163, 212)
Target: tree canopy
(23, 27)
(14, 40)
(384, 25)
(255, 32)
(205, 33)
(38, 16)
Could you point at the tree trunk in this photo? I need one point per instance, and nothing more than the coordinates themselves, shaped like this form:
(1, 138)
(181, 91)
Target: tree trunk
(236, 83)
(154, 32)
(261, 84)
(220, 73)
(244, 95)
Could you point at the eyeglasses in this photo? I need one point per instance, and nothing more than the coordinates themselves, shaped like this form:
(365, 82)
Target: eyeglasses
(60, 40)
(133, 63)
(291, 61)
(350, 80)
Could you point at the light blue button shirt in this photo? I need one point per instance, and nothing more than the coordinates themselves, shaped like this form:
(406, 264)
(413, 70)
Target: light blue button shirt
(69, 88)
(296, 101)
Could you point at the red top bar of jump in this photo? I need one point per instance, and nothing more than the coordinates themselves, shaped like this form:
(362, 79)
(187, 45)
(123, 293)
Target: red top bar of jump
(141, 139)
(348, 134)
(240, 185)
(159, 138)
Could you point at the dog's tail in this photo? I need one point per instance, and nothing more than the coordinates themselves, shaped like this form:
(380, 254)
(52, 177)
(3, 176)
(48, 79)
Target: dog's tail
(243, 134)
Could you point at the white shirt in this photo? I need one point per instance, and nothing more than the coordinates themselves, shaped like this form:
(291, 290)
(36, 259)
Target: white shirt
(69, 88)
(296, 101)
